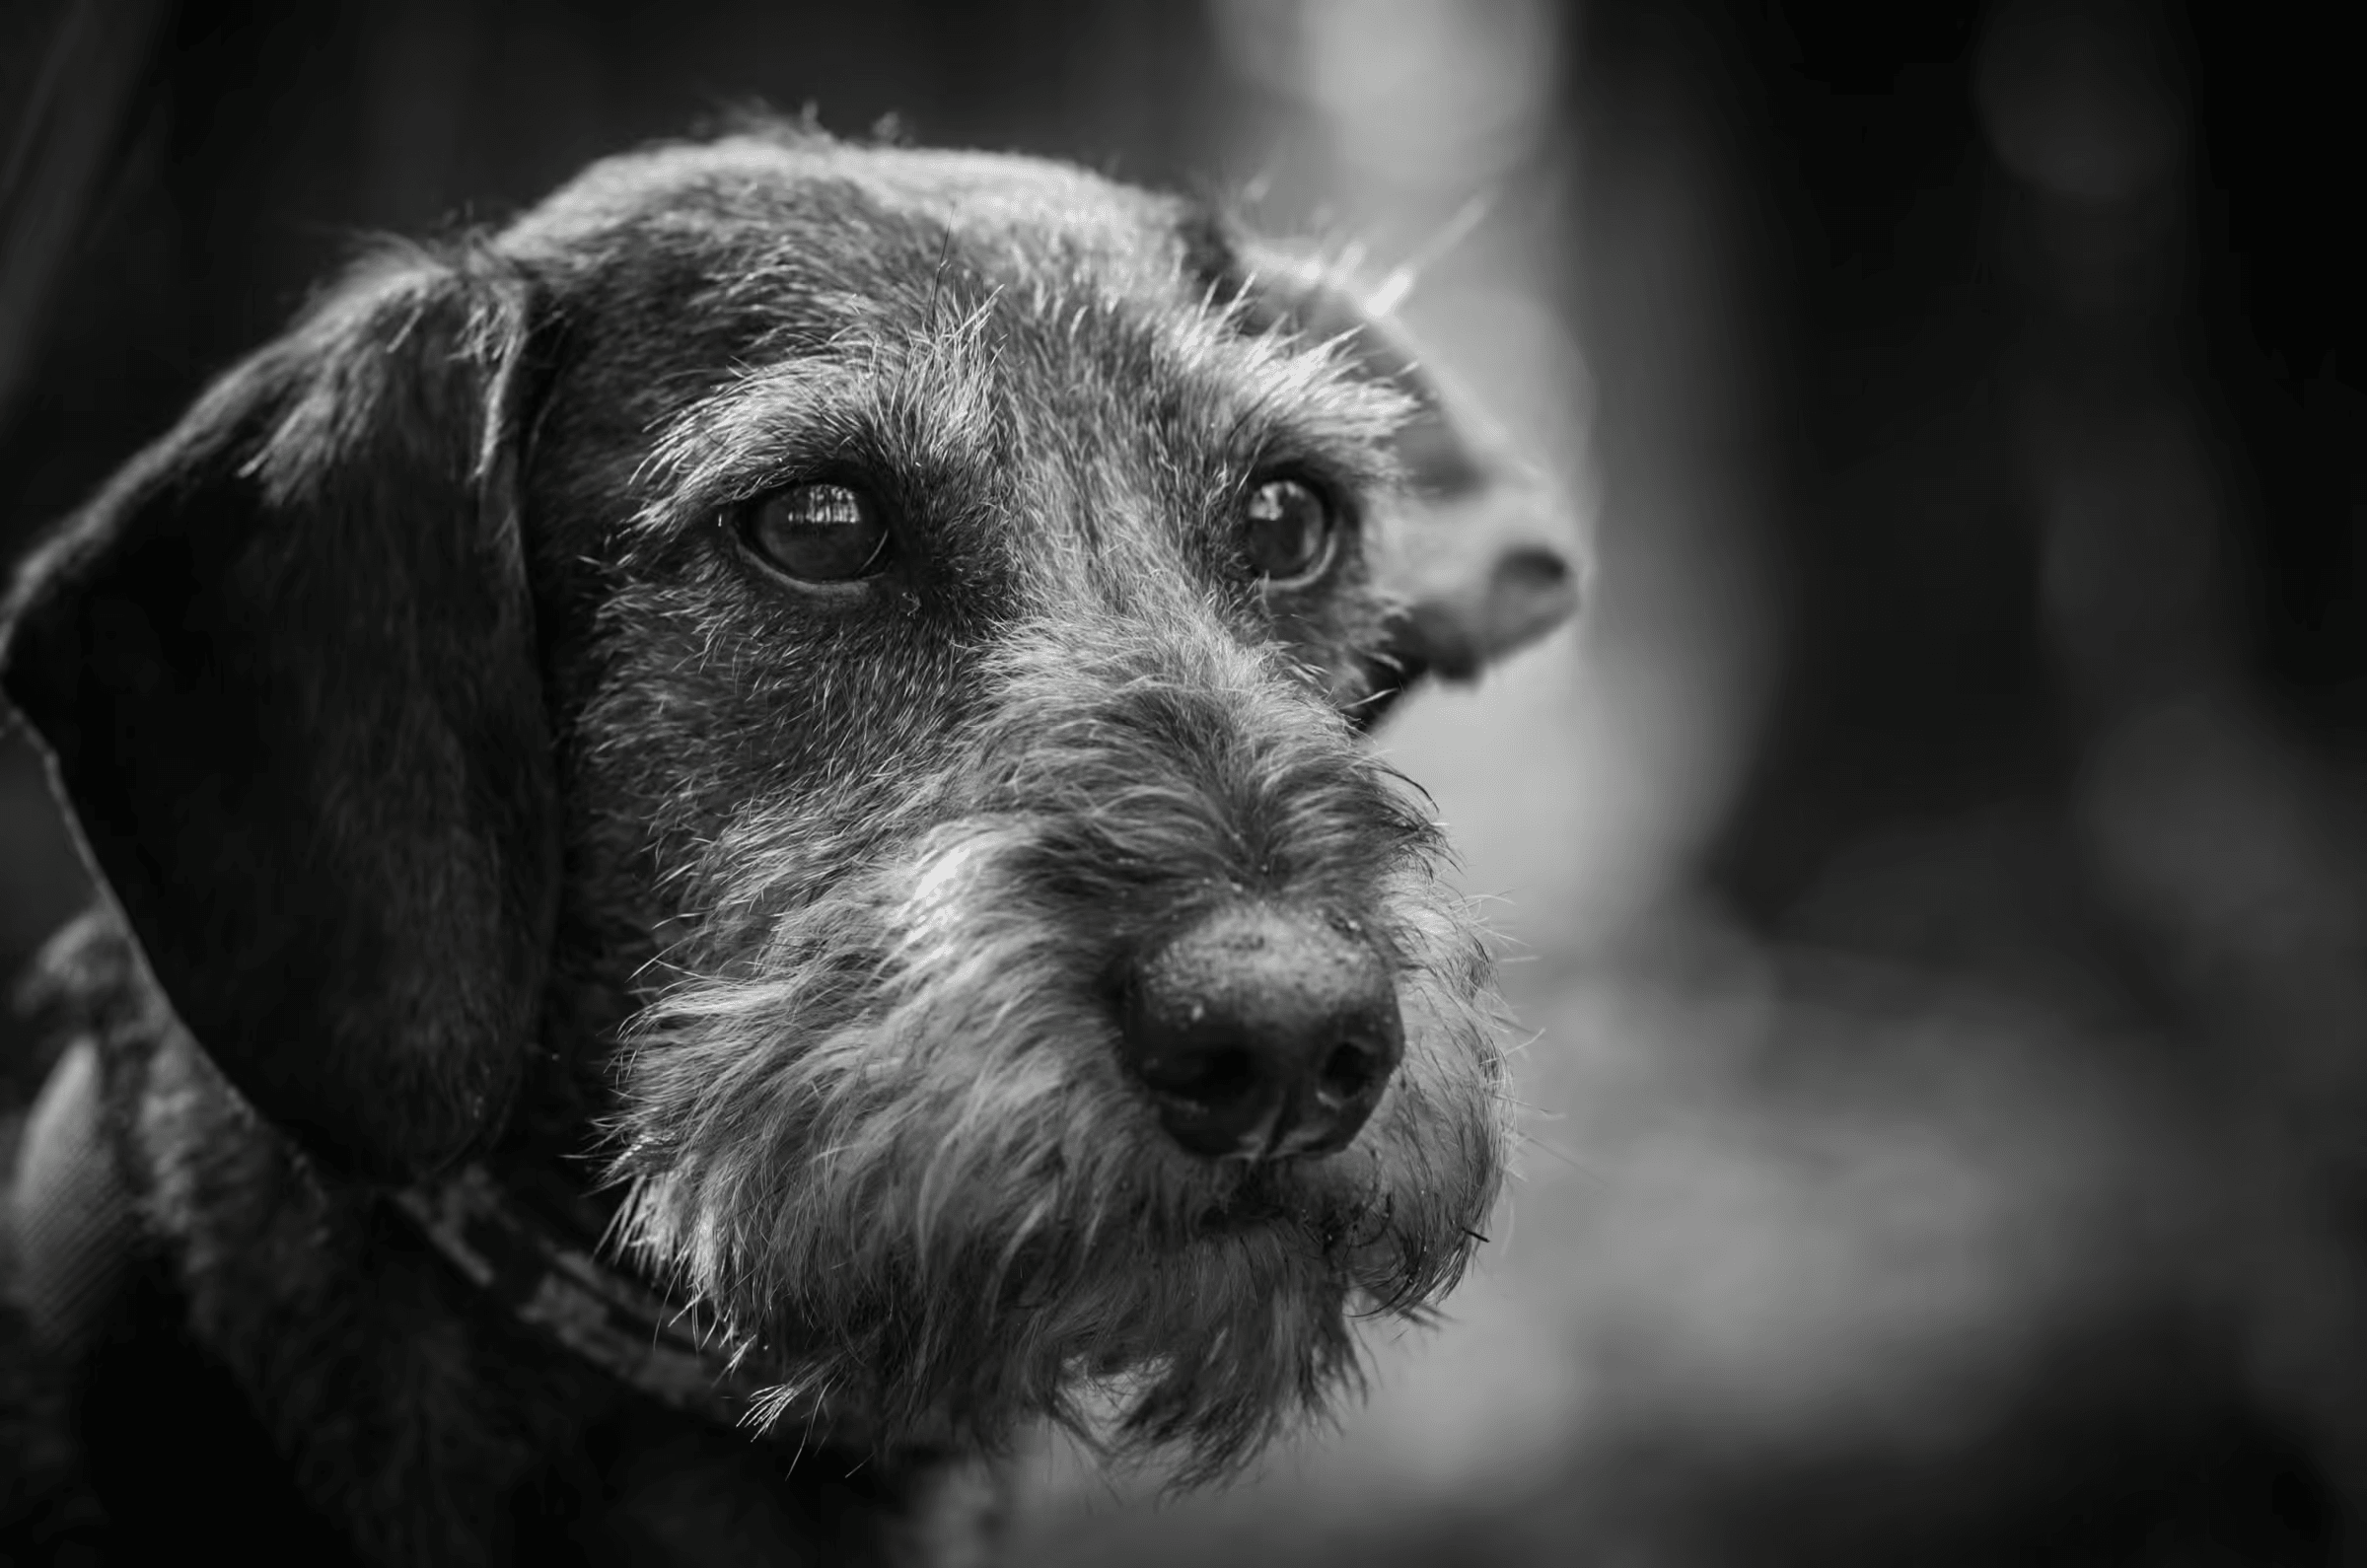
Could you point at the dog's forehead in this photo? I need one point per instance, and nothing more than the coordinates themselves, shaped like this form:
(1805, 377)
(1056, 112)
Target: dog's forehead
(759, 221)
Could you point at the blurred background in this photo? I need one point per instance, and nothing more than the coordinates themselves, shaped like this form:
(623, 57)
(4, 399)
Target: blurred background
(1936, 870)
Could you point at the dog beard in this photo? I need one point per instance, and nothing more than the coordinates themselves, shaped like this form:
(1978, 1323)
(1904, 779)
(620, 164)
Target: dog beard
(882, 1128)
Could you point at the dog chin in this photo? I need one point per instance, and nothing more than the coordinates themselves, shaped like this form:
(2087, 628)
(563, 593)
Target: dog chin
(1192, 1327)
(1199, 1358)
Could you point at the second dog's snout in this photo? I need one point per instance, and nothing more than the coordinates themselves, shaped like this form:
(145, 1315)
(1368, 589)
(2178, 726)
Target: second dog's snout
(1263, 1032)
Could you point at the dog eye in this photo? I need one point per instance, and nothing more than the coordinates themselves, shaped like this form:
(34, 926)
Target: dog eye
(1286, 530)
(818, 532)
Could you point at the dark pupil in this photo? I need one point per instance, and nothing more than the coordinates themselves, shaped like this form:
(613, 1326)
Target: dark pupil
(823, 532)
(1285, 528)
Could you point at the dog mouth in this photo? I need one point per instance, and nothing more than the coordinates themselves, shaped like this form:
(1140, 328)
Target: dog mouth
(1289, 1195)
(1258, 1198)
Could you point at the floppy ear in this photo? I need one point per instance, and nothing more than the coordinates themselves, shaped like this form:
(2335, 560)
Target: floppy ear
(284, 667)
(1483, 553)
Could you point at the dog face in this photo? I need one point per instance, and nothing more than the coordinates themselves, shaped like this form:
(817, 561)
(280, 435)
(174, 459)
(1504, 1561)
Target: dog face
(831, 667)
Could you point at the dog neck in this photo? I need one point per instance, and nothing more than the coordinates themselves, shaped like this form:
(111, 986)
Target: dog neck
(526, 1243)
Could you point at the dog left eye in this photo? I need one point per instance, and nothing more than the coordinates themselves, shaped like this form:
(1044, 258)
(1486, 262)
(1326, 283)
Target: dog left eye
(1286, 530)
(818, 532)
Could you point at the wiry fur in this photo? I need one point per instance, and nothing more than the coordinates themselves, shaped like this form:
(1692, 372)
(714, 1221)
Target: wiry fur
(472, 789)
(882, 1121)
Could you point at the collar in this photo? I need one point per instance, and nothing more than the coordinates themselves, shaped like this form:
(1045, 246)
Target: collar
(542, 1271)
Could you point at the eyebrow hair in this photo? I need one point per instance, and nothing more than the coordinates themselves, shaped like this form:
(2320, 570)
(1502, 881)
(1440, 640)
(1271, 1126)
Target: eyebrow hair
(929, 407)
(870, 400)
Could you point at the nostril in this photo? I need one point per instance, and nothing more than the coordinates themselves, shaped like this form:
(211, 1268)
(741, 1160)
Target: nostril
(1348, 1071)
(1531, 567)
(1206, 1079)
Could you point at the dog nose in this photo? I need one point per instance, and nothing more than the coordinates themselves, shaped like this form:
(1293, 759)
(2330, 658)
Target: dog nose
(1263, 1032)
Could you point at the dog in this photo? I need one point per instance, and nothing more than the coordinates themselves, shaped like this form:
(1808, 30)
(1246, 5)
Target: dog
(739, 863)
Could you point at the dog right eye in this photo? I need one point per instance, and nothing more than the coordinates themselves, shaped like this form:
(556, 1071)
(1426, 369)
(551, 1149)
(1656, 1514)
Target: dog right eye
(818, 532)
(1286, 532)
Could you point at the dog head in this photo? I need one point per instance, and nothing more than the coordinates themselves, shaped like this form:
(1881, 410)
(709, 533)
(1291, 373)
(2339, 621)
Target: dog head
(805, 656)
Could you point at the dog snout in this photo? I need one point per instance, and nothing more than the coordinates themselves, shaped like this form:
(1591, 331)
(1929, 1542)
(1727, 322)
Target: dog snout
(1263, 1032)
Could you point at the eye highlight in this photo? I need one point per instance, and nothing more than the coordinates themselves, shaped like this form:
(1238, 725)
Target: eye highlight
(1287, 531)
(818, 532)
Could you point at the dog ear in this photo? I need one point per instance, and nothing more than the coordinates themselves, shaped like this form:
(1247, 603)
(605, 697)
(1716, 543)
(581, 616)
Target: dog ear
(1483, 555)
(284, 667)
